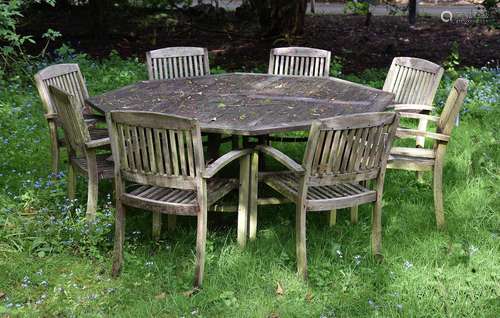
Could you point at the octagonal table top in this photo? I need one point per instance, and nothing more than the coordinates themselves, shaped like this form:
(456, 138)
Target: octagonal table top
(247, 103)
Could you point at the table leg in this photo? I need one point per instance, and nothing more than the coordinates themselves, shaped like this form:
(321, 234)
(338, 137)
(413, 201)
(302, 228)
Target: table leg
(253, 195)
(243, 201)
(214, 141)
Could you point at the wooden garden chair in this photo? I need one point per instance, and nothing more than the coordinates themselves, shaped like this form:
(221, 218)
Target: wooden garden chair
(82, 148)
(414, 83)
(299, 61)
(341, 154)
(177, 62)
(68, 78)
(423, 159)
(159, 166)
(181, 62)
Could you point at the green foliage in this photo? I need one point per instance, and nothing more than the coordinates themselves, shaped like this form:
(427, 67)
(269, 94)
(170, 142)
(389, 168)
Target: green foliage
(336, 66)
(357, 7)
(452, 62)
(53, 264)
(13, 42)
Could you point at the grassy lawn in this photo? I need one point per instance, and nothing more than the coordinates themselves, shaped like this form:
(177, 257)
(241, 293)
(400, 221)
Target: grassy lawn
(51, 264)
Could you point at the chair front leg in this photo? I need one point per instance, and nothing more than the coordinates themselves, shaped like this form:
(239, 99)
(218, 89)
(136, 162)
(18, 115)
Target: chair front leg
(54, 146)
(71, 181)
(119, 238)
(438, 186)
(156, 226)
(300, 238)
(300, 230)
(377, 220)
(354, 214)
(332, 217)
(93, 182)
(201, 235)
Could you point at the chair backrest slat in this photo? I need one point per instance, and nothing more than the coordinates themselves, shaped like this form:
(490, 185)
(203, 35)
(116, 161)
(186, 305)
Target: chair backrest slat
(157, 149)
(299, 61)
(68, 111)
(177, 62)
(413, 80)
(64, 76)
(349, 148)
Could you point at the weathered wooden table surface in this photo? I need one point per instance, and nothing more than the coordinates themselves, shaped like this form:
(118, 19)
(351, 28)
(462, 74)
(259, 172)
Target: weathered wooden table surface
(248, 105)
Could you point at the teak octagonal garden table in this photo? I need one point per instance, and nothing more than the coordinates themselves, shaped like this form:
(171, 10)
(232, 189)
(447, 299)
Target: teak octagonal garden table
(247, 105)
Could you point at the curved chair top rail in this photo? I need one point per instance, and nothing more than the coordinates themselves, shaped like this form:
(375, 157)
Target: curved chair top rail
(413, 80)
(67, 77)
(299, 61)
(177, 62)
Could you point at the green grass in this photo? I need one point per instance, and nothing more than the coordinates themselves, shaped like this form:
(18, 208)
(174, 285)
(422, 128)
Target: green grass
(52, 265)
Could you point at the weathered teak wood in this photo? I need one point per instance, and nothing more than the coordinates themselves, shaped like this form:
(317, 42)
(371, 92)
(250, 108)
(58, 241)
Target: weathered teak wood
(68, 78)
(161, 157)
(414, 81)
(247, 104)
(421, 159)
(341, 153)
(81, 148)
(177, 62)
(301, 61)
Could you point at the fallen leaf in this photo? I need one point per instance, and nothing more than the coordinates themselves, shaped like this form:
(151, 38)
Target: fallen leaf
(2, 294)
(279, 289)
(160, 296)
(309, 296)
(273, 315)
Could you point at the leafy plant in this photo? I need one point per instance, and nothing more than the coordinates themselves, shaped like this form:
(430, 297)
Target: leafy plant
(336, 65)
(13, 42)
(356, 7)
(452, 61)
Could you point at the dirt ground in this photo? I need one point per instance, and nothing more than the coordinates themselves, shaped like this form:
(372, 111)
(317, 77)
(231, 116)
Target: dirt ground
(234, 43)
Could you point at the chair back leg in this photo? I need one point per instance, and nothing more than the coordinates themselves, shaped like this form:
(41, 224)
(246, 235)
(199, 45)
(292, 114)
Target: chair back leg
(171, 222)
(93, 185)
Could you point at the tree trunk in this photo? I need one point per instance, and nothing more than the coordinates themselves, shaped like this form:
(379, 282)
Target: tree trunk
(98, 11)
(278, 17)
(412, 12)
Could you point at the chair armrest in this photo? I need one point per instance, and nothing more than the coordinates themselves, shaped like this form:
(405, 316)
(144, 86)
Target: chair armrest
(97, 117)
(419, 116)
(281, 158)
(50, 116)
(97, 143)
(223, 161)
(409, 133)
(398, 107)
